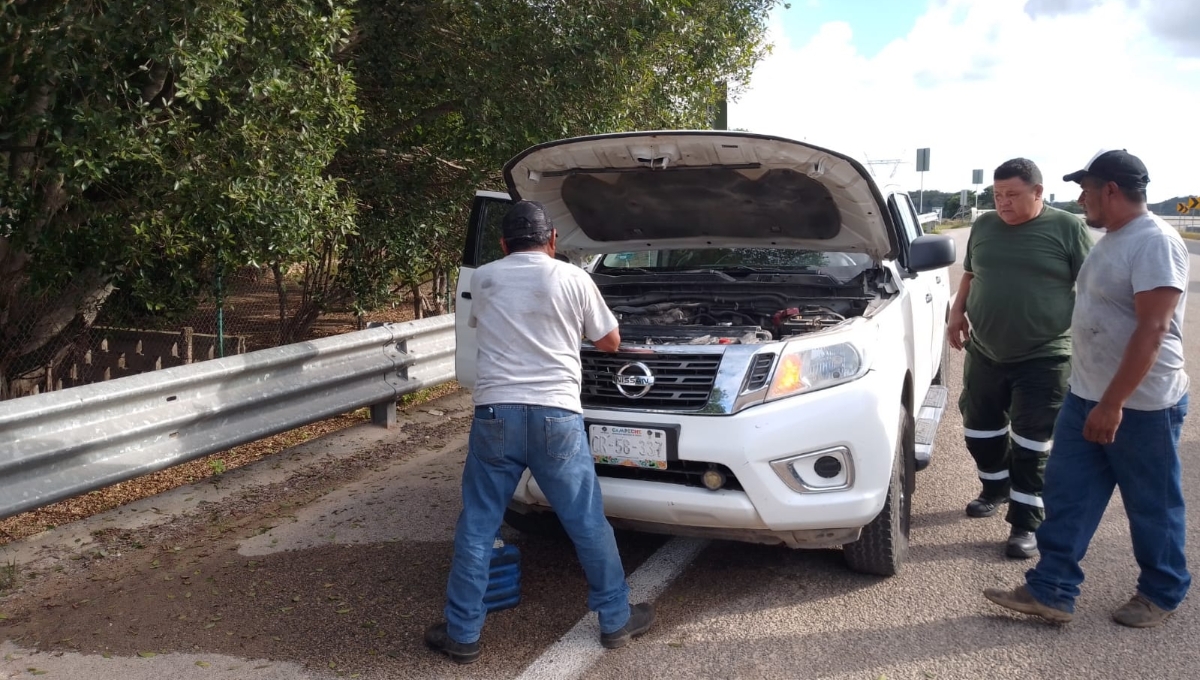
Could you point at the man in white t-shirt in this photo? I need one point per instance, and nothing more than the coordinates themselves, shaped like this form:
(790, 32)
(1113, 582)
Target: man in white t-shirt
(1121, 421)
(530, 312)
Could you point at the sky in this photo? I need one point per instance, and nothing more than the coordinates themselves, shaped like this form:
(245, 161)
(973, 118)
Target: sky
(981, 81)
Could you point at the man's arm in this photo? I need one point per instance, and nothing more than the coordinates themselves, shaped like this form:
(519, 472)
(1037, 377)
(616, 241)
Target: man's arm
(959, 328)
(610, 342)
(597, 318)
(1154, 309)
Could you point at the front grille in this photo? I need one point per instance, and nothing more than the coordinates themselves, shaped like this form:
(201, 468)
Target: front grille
(760, 371)
(682, 382)
(682, 472)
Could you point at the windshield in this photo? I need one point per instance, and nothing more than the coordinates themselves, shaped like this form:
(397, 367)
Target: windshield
(836, 264)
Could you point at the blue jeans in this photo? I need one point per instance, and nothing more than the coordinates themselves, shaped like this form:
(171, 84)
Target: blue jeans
(1143, 462)
(505, 439)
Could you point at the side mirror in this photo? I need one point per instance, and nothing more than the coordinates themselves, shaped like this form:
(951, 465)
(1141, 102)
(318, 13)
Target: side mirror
(931, 251)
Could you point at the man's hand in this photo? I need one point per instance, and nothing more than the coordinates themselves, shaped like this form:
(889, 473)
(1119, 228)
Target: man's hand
(959, 329)
(1102, 423)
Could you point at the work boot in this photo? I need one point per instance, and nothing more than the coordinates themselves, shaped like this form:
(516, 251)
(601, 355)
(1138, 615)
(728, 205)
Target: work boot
(438, 639)
(641, 617)
(1139, 612)
(1021, 600)
(1022, 544)
(985, 506)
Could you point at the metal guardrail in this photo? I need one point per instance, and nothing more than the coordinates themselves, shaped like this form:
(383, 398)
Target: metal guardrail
(929, 217)
(60, 444)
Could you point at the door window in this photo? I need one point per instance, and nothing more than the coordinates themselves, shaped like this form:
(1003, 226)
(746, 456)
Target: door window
(483, 234)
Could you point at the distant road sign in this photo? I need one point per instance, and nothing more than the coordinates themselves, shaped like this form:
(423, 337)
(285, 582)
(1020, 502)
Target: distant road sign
(1193, 203)
(1181, 208)
(922, 160)
(977, 177)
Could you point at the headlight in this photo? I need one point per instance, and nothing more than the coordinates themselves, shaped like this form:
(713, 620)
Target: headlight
(805, 367)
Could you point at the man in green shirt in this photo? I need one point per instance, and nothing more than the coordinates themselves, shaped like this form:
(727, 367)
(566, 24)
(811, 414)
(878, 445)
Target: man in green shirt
(1012, 313)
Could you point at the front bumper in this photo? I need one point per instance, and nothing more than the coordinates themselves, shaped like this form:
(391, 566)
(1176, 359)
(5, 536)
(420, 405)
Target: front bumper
(861, 416)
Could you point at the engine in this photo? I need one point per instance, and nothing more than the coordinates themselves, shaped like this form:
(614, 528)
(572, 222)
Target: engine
(699, 323)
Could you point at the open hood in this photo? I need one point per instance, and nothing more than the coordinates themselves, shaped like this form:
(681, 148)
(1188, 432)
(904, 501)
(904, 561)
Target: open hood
(699, 189)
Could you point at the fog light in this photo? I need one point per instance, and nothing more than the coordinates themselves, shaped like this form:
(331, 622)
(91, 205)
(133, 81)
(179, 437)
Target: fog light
(817, 472)
(713, 479)
(828, 467)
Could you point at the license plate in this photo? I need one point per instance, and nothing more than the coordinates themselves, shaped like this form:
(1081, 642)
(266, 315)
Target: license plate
(642, 447)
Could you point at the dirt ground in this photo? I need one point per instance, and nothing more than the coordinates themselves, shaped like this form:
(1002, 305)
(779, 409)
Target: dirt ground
(182, 586)
(345, 610)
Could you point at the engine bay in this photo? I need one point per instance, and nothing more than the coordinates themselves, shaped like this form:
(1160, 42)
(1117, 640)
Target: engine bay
(694, 323)
(739, 306)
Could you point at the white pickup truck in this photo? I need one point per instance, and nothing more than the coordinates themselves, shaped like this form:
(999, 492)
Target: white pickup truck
(786, 319)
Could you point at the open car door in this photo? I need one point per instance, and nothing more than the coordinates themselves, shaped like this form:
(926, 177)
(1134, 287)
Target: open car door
(482, 246)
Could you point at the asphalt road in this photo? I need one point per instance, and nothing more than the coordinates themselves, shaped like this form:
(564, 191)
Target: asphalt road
(329, 560)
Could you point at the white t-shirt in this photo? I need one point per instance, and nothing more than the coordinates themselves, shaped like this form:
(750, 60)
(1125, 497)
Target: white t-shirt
(1145, 254)
(531, 312)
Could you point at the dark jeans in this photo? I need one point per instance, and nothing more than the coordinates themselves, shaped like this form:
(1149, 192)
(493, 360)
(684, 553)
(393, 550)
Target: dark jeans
(506, 439)
(1143, 462)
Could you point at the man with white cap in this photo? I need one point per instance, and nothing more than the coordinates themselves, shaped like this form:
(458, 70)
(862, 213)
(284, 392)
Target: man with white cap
(1121, 421)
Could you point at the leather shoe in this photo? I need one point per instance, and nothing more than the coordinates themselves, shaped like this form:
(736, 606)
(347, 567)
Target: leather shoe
(1022, 544)
(641, 617)
(438, 639)
(1139, 612)
(1021, 600)
(984, 506)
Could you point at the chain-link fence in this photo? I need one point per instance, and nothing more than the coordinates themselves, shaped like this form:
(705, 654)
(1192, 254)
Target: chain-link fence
(245, 312)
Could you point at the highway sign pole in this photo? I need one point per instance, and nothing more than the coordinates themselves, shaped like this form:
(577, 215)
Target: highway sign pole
(922, 167)
(977, 179)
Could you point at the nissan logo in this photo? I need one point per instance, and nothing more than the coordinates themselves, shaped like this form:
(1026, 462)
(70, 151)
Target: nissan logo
(634, 380)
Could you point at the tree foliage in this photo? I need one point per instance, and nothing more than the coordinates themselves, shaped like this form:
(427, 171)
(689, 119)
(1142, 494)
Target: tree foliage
(150, 147)
(147, 146)
(453, 89)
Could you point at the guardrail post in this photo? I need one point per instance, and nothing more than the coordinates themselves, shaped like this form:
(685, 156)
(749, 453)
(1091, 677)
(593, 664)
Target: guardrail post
(384, 415)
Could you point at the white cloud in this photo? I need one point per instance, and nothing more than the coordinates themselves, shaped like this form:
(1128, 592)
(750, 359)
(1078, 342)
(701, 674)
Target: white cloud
(981, 81)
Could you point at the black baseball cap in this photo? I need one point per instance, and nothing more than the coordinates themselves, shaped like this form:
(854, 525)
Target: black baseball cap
(524, 219)
(1118, 166)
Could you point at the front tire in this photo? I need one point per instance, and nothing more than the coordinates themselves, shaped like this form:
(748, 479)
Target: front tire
(882, 548)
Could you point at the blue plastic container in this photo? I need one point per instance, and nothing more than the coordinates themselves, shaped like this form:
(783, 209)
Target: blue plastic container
(504, 577)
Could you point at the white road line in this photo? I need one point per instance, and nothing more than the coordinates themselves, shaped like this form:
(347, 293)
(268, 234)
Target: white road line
(574, 653)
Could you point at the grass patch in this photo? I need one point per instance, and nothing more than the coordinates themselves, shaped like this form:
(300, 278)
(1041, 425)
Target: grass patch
(428, 394)
(1191, 235)
(947, 225)
(8, 576)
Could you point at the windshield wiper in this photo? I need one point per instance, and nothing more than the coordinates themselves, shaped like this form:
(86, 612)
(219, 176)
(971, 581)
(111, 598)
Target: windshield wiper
(722, 273)
(621, 271)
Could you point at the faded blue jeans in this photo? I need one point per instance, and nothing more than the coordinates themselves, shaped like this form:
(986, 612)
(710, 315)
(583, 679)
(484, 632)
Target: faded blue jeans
(505, 439)
(1143, 461)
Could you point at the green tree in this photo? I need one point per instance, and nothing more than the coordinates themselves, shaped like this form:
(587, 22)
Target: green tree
(452, 89)
(149, 146)
(987, 198)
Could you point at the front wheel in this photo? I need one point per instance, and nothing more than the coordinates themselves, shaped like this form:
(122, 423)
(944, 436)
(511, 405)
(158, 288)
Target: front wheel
(883, 546)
